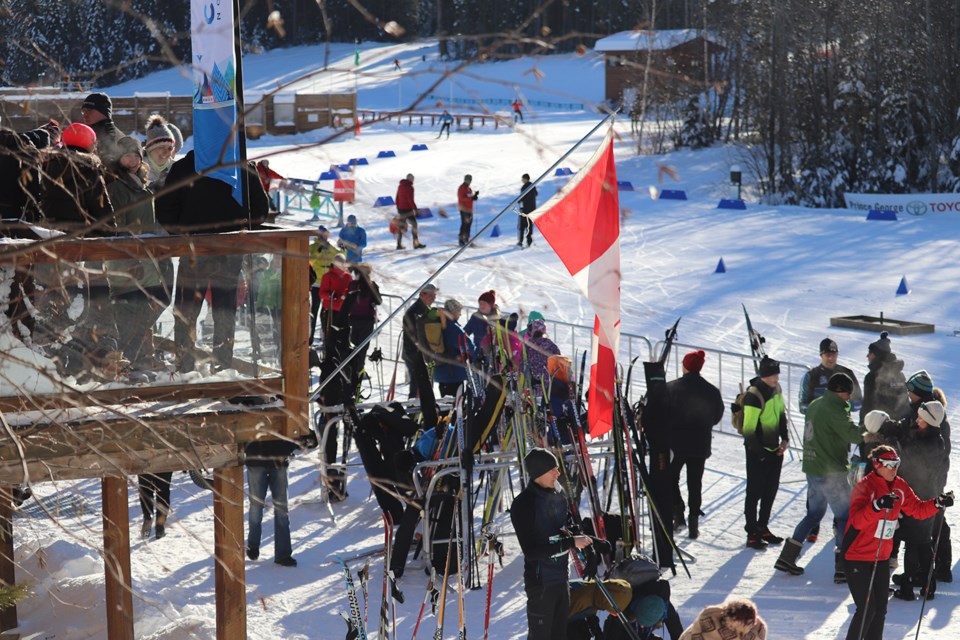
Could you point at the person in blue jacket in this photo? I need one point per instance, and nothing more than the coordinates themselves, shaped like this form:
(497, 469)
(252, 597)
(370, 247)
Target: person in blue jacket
(353, 238)
(451, 368)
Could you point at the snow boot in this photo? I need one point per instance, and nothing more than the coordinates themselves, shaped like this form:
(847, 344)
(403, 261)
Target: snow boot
(693, 529)
(754, 541)
(839, 575)
(146, 528)
(787, 562)
(905, 592)
(769, 538)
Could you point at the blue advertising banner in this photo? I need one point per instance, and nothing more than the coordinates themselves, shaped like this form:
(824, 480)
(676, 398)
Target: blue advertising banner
(215, 140)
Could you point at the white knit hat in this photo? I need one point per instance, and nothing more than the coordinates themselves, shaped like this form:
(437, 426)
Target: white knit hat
(158, 133)
(932, 413)
(874, 420)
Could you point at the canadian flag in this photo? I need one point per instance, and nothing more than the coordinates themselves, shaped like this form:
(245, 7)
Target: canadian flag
(582, 224)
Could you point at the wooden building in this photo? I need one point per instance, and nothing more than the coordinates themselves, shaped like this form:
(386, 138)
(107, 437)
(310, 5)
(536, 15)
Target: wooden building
(677, 63)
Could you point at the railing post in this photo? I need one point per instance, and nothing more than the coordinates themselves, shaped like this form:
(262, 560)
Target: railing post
(116, 558)
(293, 335)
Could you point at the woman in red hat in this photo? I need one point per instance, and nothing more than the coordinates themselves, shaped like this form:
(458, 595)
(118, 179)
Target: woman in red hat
(875, 506)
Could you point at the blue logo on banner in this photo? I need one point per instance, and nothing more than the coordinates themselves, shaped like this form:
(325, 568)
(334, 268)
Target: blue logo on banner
(208, 16)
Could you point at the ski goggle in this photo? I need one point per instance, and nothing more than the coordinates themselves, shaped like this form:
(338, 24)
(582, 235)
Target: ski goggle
(889, 463)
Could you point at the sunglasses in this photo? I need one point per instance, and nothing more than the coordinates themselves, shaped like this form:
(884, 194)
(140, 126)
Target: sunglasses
(889, 464)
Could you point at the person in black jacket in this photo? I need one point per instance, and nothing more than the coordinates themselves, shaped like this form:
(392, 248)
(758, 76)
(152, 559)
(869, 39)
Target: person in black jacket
(541, 518)
(199, 204)
(266, 462)
(695, 407)
(360, 307)
(528, 204)
(421, 385)
(884, 382)
(97, 113)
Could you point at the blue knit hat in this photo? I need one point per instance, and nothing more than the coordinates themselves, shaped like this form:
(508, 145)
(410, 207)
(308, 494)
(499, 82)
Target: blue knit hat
(649, 610)
(920, 383)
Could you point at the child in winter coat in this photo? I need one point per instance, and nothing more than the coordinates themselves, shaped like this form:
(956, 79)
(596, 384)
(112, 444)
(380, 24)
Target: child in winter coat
(333, 291)
(538, 349)
(733, 620)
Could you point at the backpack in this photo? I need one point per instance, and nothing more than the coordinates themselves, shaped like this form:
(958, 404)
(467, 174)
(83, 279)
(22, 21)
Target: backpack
(736, 408)
(638, 571)
(432, 324)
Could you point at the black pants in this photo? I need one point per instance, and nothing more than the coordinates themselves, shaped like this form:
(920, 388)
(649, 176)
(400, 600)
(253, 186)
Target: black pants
(763, 482)
(155, 494)
(524, 226)
(695, 467)
(222, 275)
(360, 328)
(444, 127)
(421, 386)
(449, 388)
(874, 611)
(547, 612)
(466, 221)
(661, 491)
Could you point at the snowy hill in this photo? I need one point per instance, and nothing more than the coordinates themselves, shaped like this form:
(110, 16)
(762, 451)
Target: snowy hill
(794, 268)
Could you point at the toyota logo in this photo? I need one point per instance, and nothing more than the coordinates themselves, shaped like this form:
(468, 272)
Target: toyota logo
(916, 208)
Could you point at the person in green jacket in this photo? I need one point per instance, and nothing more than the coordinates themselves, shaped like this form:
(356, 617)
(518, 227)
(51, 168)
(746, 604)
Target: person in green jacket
(139, 289)
(269, 295)
(765, 438)
(827, 436)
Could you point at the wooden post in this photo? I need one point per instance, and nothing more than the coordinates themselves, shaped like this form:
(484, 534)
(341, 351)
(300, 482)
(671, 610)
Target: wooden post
(293, 335)
(8, 617)
(116, 558)
(229, 572)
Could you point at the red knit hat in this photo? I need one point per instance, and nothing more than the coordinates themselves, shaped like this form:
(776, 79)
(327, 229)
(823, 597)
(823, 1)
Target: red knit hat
(79, 135)
(490, 297)
(693, 361)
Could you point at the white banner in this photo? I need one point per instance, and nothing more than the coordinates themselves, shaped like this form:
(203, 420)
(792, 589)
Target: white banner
(914, 204)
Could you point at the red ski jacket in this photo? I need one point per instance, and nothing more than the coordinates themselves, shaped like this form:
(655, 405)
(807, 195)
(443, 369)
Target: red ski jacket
(333, 288)
(404, 197)
(868, 528)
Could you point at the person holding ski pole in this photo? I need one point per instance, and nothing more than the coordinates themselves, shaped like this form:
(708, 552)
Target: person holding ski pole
(540, 516)
(875, 506)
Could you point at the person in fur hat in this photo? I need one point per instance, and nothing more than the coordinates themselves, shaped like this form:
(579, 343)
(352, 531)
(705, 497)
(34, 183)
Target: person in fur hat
(732, 620)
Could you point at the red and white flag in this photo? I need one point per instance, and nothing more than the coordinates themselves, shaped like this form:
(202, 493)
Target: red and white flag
(582, 224)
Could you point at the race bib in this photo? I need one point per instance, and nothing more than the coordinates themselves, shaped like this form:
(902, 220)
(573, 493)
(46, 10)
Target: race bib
(885, 529)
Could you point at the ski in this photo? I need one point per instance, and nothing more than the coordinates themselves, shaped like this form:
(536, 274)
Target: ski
(494, 546)
(359, 630)
(757, 341)
(383, 633)
(430, 595)
(438, 634)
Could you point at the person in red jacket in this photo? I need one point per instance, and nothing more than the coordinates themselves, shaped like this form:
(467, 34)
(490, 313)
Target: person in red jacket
(465, 199)
(407, 212)
(875, 506)
(333, 291)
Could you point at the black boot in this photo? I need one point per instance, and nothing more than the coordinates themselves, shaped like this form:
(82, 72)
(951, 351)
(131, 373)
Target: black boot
(693, 529)
(839, 575)
(787, 562)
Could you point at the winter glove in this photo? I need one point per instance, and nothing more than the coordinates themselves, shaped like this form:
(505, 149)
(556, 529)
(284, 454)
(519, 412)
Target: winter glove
(601, 546)
(885, 502)
(944, 500)
(476, 195)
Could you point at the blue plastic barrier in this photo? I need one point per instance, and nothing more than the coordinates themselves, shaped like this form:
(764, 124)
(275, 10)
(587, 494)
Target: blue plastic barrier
(673, 194)
(424, 213)
(358, 161)
(495, 233)
(386, 154)
(881, 214)
(384, 201)
(903, 289)
(624, 185)
(344, 167)
(419, 147)
(563, 171)
(721, 267)
(731, 204)
(328, 175)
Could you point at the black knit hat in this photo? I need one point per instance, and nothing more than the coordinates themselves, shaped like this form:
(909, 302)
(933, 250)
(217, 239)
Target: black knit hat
(98, 102)
(538, 462)
(828, 346)
(840, 383)
(768, 367)
(881, 346)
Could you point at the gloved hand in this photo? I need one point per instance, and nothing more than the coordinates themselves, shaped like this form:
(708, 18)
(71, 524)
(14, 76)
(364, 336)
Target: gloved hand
(885, 502)
(601, 546)
(944, 500)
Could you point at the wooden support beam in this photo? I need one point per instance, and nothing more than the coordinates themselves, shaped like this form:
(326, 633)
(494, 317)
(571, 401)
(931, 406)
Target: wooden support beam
(229, 572)
(293, 335)
(8, 617)
(116, 558)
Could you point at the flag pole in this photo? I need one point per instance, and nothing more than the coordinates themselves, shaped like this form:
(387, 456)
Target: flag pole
(400, 307)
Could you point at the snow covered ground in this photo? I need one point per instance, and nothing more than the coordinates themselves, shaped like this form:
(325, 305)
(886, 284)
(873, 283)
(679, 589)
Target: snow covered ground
(794, 268)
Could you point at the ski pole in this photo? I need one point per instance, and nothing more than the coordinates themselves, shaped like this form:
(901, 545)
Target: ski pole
(933, 560)
(631, 632)
(873, 575)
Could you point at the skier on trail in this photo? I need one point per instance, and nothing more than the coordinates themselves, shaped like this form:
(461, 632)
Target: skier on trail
(445, 121)
(827, 437)
(528, 204)
(765, 439)
(875, 506)
(466, 196)
(696, 406)
(517, 113)
(407, 212)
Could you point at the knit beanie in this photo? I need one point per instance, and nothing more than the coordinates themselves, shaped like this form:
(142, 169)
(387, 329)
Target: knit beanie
(158, 133)
(693, 361)
(452, 305)
(882, 345)
(932, 413)
(538, 327)
(534, 315)
(768, 367)
(874, 420)
(921, 384)
(177, 137)
(490, 297)
(828, 346)
(538, 462)
(98, 102)
(840, 383)
(128, 144)
(648, 610)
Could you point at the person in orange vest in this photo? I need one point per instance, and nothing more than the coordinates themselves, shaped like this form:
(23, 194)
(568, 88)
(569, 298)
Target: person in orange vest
(465, 199)
(517, 113)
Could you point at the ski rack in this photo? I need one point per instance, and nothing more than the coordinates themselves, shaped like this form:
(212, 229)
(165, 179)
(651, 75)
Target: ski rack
(489, 461)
